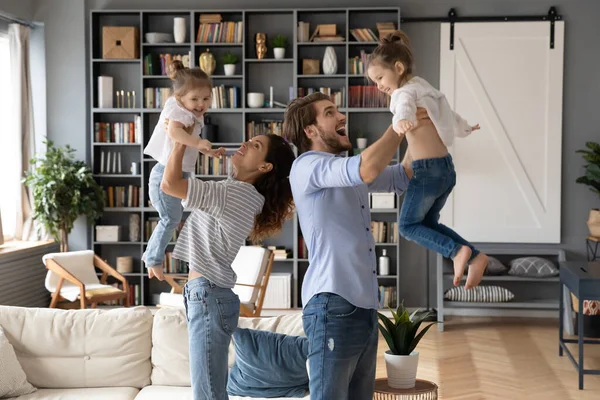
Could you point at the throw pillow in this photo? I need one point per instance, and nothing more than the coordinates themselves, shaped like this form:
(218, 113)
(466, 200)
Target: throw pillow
(495, 267)
(480, 294)
(268, 364)
(13, 381)
(534, 267)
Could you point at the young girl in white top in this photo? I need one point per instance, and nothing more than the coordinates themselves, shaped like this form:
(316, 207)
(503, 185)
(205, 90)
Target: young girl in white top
(184, 110)
(390, 66)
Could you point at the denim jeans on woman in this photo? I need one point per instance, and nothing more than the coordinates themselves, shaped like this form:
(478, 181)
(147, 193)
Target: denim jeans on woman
(342, 348)
(212, 315)
(432, 182)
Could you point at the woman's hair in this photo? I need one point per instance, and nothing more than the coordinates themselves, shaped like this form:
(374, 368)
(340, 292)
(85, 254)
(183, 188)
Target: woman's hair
(276, 189)
(185, 79)
(299, 114)
(393, 48)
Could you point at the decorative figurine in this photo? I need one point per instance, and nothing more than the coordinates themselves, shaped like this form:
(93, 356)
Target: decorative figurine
(207, 62)
(261, 45)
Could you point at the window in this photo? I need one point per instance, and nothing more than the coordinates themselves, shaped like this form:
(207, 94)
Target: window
(9, 160)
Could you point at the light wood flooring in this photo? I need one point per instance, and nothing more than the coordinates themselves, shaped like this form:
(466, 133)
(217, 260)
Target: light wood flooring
(508, 359)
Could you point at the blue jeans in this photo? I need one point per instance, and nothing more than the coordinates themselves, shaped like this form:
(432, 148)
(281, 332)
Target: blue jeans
(212, 315)
(427, 192)
(170, 212)
(342, 348)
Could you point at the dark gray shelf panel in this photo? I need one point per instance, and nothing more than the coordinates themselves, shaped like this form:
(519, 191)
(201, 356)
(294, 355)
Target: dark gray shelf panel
(117, 110)
(269, 60)
(115, 60)
(510, 278)
(531, 304)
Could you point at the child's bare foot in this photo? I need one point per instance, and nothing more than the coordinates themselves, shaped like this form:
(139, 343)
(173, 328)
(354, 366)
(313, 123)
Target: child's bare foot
(476, 269)
(460, 263)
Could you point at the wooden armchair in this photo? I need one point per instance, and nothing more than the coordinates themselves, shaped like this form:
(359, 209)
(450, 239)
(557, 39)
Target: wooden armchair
(252, 266)
(71, 276)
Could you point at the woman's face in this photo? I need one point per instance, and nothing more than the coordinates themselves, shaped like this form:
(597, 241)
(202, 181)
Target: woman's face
(251, 155)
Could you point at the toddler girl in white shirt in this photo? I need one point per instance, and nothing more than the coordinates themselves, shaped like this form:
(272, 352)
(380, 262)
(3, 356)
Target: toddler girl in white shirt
(185, 109)
(390, 66)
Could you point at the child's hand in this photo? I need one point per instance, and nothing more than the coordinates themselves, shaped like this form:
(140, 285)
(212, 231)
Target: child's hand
(156, 272)
(403, 126)
(475, 127)
(205, 147)
(217, 153)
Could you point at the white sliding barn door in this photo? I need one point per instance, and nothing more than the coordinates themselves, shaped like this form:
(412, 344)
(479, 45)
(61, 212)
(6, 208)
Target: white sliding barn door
(505, 76)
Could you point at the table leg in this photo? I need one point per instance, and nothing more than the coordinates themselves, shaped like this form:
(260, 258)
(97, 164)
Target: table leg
(580, 340)
(560, 319)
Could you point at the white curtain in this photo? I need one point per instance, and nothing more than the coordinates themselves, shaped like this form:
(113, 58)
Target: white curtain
(23, 111)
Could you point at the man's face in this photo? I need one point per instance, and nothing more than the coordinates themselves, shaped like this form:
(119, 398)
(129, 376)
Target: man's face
(329, 131)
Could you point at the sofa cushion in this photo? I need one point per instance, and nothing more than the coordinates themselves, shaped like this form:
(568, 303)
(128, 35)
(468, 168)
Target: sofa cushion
(113, 393)
(268, 364)
(13, 381)
(81, 348)
(170, 346)
(156, 392)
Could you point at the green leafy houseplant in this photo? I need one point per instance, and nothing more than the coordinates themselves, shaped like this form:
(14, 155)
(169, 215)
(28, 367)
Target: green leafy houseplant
(229, 58)
(63, 189)
(279, 41)
(401, 334)
(592, 168)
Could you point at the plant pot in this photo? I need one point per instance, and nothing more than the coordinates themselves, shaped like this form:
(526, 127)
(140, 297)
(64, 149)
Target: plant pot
(229, 69)
(361, 143)
(401, 370)
(279, 52)
(593, 222)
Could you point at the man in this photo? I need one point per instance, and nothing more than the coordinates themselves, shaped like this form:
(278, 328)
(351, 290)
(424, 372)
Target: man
(340, 293)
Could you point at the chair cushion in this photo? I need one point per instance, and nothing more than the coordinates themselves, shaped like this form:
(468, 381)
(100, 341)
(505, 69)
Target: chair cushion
(113, 393)
(13, 381)
(249, 265)
(78, 263)
(81, 348)
(103, 291)
(268, 364)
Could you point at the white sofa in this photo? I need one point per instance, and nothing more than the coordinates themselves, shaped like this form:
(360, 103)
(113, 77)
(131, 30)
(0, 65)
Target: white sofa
(116, 354)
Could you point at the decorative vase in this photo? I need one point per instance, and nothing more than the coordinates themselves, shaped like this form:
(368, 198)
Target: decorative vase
(593, 222)
(329, 61)
(401, 370)
(361, 143)
(207, 62)
(279, 52)
(261, 45)
(229, 69)
(134, 228)
(179, 30)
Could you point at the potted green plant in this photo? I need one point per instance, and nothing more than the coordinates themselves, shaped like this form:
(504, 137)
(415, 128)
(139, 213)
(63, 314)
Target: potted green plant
(592, 180)
(63, 189)
(361, 140)
(402, 337)
(279, 42)
(229, 60)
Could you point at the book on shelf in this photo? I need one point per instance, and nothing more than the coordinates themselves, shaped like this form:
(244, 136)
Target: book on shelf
(226, 97)
(385, 231)
(280, 252)
(303, 31)
(363, 35)
(111, 162)
(151, 224)
(367, 96)
(337, 96)
(206, 165)
(118, 132)
(157, 64)
(388, 296)
(266, 126)
(328, 38)
(122, 196)
(174, 266)
(356, 65)
(302, 248)
(219, 32)
(156, 97)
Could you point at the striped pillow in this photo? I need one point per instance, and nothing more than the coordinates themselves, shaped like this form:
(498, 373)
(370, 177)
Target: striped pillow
(480, 294)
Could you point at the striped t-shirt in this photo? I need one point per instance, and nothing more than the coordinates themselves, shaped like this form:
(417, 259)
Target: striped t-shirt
(221, 220)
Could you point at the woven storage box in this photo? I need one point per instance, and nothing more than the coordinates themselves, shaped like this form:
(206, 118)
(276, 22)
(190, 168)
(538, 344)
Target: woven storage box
(120, 42)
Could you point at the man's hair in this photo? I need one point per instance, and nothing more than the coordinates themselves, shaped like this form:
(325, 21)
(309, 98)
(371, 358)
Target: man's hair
(299, 114)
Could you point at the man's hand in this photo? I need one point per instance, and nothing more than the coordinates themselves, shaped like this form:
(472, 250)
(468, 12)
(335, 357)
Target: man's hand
(156, 272)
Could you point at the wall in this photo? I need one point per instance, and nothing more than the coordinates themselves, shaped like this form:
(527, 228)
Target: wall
(22, 9)
(67, 88)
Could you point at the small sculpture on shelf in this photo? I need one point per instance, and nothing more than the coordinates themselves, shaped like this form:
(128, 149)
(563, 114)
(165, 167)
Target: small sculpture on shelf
(207, 62)
(261, 45)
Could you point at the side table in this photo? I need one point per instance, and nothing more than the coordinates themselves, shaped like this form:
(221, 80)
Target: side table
(583, 280)
(423, 390)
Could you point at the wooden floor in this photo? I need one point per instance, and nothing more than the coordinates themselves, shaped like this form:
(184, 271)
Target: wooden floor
(503, 359)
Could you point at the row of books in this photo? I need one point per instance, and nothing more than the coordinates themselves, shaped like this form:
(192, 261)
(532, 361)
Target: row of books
(337, 96)
(206, 165)
(111, 162)
(356, 65)
(156, 97)
(151, 224)
(122, 196)
(364, 35)
(174, 266)
(388, 297)
(158, 64)
(226, 97)
(280, 252)
(118, 132)
(367, 96)
(256, 128)
(220, 32)
(135, 295)
(385, 231)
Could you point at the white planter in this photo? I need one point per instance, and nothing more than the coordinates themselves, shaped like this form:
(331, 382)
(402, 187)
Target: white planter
(229, 69)
(179, 30)
(401, 370)
(279, 52)
(329, 61)
(361, 143)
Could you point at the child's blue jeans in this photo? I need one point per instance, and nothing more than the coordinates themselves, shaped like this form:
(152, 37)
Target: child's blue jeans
(170, 212)
(427, 192)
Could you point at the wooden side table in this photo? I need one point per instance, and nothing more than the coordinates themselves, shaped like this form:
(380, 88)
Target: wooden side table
(423, 390)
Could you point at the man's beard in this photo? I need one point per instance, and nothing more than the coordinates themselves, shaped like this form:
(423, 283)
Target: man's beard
(333, 143)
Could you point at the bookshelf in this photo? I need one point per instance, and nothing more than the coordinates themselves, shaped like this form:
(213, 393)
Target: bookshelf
(234, 124)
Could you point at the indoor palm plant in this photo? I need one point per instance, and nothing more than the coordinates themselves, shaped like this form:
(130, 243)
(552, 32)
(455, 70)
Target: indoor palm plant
(279, 42)
(63, 189)
(229, 60)
(592, 180)
(402, 336)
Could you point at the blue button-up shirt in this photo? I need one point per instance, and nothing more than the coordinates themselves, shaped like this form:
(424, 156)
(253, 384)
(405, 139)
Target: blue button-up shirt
(333, 206)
